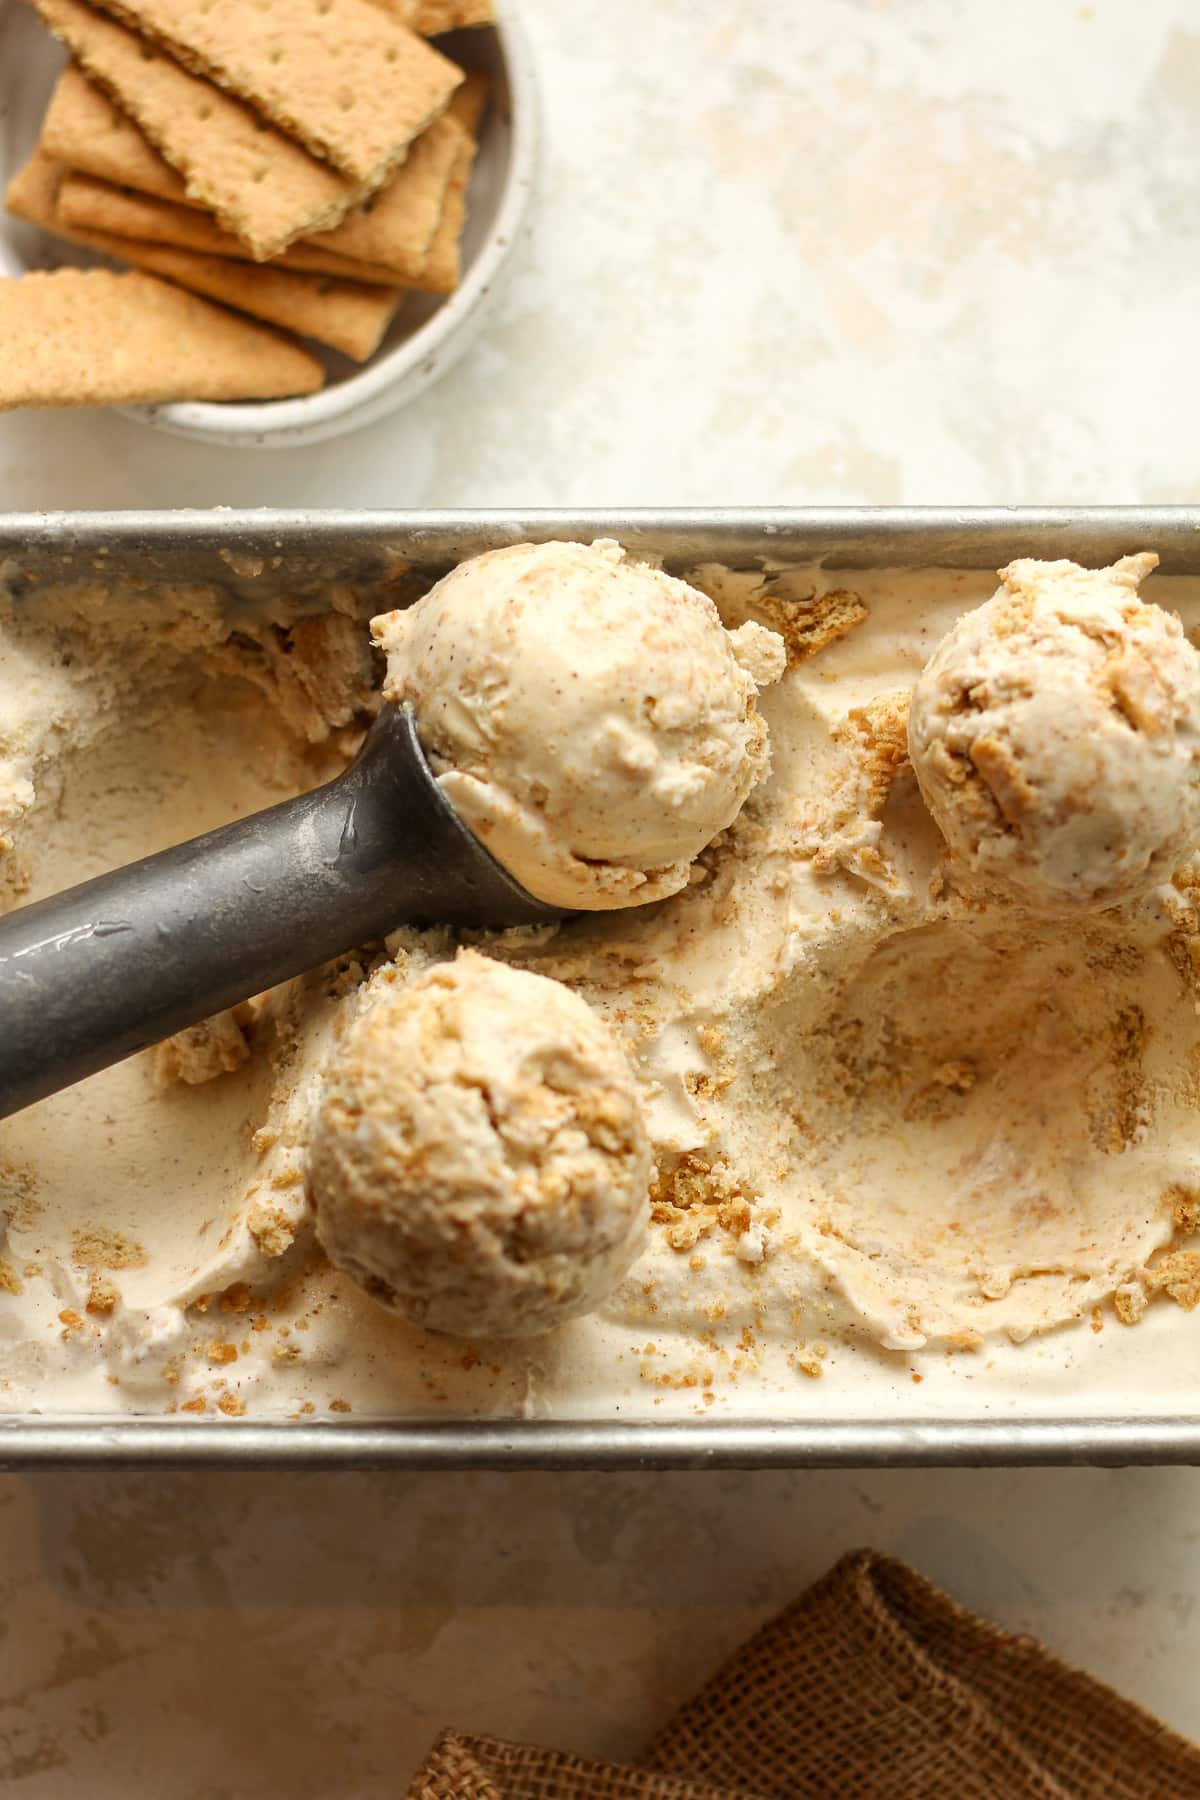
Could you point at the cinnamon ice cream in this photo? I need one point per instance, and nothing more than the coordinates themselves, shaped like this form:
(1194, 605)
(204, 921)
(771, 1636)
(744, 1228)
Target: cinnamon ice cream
(479, 1160)
(588, 717)
(1055, 733)
(897, 1126)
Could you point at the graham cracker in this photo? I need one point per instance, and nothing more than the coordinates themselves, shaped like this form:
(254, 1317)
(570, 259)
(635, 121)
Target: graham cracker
(262, 186)
(428, 18)
(469, 102)
(94, 205)
(442, 270)
(88, 337)
(347, 315)
(435, 16)
(443, 266)
(350, 316)
(404, 10)
(344, 77)
(396, 226)
(88, 131)
(32, 194)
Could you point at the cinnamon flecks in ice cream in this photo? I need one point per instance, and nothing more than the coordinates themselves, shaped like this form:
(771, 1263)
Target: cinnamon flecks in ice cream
(479, 1159)
(890, 1111)
(1056, 736)
(588, 717)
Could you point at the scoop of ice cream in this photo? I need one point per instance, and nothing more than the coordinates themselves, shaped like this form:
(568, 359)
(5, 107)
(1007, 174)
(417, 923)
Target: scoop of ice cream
(479, 1162)
(1055, 734)
(589, 718)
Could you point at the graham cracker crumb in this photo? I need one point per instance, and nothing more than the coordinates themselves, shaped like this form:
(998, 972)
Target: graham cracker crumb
(18, 1195)
(811, 623)
(697, 1194)
(809, 1359)
(102, 1295)
(231, 1406)
(939, 1097)
(270, 1228)
(222, 1353)
(1184, 1201)
(1129, 1302)
(10, 1281)
(98, 1247)
(1177, 1274)
(1120, 1124)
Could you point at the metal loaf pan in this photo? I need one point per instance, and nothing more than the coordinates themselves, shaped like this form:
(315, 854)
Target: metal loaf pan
(256, 556)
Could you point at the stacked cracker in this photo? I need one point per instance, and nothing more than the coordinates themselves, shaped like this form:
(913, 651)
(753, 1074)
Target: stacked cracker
(301, 162)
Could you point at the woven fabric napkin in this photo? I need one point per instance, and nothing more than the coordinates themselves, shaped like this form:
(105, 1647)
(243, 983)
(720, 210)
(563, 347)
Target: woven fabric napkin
(872, 1686)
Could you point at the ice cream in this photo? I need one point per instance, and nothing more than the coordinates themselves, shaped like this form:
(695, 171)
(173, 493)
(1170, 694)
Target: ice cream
(479, 1159)
(588, 717)
(1055, 733)
(897, 1129)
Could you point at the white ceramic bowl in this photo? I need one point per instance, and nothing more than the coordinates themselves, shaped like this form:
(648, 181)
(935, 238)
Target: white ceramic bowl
(428, 334)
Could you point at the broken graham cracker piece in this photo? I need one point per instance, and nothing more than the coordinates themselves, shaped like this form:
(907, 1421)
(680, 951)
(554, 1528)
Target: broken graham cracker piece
(348, 80)
(263, 186)
(347, 315)
(88, 204)
(396, 226)
(87, 337)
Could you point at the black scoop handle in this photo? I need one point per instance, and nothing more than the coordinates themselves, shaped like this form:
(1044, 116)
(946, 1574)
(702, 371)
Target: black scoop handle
(105, 969)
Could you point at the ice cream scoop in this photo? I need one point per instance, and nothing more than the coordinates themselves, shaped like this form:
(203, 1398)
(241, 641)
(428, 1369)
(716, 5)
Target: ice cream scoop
(1055, 736)
(479, 1162)
(599, 765)
(602, 694)
(107, 968)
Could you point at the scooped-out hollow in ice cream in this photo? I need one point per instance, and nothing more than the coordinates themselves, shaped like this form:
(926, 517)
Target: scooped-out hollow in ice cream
(588, 717)
(479, 1160)
(1055, 735)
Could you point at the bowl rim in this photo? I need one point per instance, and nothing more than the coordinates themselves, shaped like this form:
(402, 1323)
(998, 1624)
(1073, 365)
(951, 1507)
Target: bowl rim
(398, 375)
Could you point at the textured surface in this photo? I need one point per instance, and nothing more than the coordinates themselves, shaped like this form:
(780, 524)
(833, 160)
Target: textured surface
(88, 133)
(91, 205)
(260, 184)
(77, 338)
(907, 274)
(86, 129)
(351, 316)
(389, 84)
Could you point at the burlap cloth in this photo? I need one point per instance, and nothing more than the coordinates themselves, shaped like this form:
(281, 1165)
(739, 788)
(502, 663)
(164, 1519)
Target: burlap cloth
(872, 1686)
